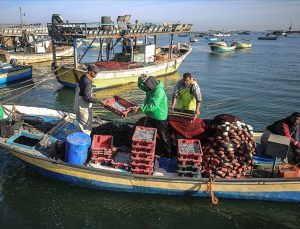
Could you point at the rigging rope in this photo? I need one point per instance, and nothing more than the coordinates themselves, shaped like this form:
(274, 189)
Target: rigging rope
(34, 86)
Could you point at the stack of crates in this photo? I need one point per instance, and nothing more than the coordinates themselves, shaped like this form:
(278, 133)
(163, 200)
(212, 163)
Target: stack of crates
(102, 147)
(189, 157)
(143, 150)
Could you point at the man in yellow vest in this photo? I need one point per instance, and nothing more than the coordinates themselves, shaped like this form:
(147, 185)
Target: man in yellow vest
(187, 95)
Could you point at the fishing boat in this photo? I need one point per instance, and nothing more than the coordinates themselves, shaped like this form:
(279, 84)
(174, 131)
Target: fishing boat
(193, 37)
(28, 43)
(268, 37)
(221, 47)
(125, 64)
(14, 72)
(211, 38)
(242, 44)
(37, 147)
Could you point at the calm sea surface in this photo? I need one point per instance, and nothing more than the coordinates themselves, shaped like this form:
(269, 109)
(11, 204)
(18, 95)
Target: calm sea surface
(259, 85)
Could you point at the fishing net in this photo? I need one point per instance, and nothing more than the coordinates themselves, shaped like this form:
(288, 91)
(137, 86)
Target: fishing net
(120, 131)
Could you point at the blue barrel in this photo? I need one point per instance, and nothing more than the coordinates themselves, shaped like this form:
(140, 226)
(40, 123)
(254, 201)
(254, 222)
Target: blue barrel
(77, 148)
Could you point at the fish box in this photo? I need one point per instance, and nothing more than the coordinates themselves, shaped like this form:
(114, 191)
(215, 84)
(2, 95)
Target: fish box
(118, 105)
(102, 142)
(289, 171)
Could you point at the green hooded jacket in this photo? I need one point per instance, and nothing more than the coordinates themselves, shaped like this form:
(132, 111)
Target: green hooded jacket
(156, 101)
(1, 112)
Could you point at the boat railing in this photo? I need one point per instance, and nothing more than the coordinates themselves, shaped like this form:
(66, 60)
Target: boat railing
(66, 32)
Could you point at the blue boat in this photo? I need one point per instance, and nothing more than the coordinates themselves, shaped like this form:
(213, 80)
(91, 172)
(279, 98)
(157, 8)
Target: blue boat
(10, 73)
(38, 152)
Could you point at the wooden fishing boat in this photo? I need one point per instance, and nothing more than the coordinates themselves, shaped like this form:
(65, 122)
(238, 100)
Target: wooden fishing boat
(38, 154)
(32, 57)
(221, 47)
(242, 44)
(125, 72)
(10, 73)
(28, 43)
(126, 64)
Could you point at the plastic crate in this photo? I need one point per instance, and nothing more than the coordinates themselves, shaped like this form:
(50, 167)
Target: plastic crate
(101, 160)
(121, 160)
(141, 170)
(193, 150)
(144, 135)
(118, 105)
(180, 118)
(102, 143)
(288, 171)
(145, 160)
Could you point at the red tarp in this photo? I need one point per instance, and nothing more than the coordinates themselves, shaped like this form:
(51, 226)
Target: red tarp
(188, 130)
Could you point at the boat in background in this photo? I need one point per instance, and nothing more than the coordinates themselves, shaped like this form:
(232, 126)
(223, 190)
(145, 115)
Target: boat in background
(14, 72)
(210, 38)
(221, 47)
(28, 43)
(193, 37)
(123, 65)
(268, 37)
(242, 44)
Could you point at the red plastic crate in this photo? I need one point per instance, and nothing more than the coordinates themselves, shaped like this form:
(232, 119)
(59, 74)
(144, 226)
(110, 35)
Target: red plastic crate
(179, 118)
(123, 107)
(189, 142)
(143, 154)
(141, 170)
(146, 160)
(102, 143)
(144, 130)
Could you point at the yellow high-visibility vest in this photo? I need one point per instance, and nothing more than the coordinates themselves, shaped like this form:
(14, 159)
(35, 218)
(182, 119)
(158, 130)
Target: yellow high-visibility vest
(186, 100)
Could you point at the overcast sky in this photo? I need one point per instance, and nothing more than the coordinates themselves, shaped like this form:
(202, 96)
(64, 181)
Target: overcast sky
(255, 15)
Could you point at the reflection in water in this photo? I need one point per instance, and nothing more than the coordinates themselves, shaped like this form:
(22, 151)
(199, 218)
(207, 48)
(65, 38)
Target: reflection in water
(65, 96)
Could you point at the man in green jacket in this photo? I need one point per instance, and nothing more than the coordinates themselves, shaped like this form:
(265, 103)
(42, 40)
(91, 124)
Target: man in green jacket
(156, 109)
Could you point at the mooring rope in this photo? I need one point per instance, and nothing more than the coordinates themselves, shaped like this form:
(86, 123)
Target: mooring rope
(33, 86)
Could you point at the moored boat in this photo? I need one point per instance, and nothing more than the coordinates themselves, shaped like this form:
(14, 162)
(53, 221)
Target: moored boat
(211, 38)
(38, 150)
(220, 47)
(242, 44)
(14, 72)
(28, 43)
(128, 63)
(267, 37)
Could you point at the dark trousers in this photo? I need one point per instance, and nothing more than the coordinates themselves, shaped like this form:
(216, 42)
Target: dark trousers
(164, 135)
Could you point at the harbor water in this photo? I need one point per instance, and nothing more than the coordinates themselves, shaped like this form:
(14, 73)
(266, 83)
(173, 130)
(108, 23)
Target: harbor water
(259, 85)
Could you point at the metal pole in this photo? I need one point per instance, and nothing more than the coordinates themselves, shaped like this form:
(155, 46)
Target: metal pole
(54, 51)
(170, 47)
(75, 53)
(131, 54)
(155, 45)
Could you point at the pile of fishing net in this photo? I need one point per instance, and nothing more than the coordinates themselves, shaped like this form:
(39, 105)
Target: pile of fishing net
(228, 148)
(121, 132)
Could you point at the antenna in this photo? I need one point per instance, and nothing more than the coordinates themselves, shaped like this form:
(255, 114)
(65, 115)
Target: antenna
(21, 15)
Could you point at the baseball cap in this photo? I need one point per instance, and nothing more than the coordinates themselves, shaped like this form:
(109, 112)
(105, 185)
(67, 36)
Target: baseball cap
(93, 67)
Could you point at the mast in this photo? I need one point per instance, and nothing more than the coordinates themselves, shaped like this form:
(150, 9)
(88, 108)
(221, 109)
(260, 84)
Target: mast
(290, 28)
(21, 16)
